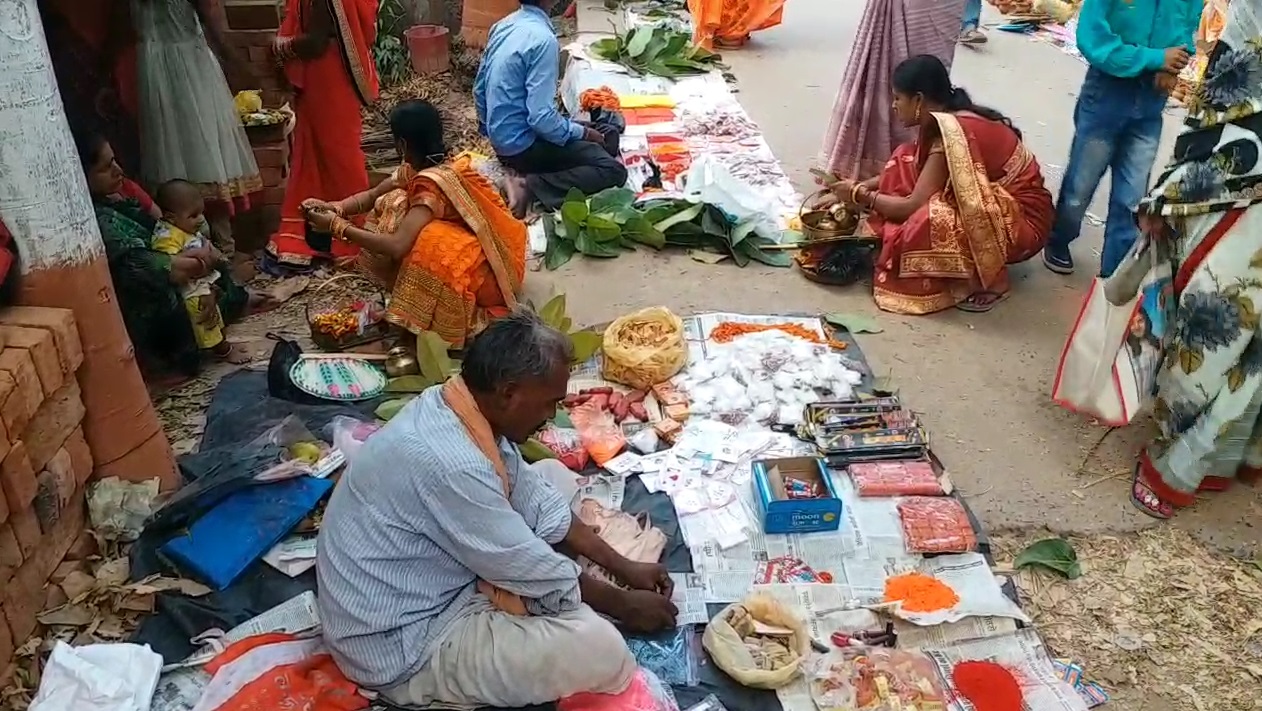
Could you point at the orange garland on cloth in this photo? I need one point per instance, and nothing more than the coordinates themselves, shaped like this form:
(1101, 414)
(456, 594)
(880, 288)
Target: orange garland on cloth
(920, 593)
(727, 331)
(601, 98)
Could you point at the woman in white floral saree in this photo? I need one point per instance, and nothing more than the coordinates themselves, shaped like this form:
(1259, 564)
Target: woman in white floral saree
(1208, 204)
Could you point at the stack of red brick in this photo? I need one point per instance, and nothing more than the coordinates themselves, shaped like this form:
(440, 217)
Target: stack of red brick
(44, 461)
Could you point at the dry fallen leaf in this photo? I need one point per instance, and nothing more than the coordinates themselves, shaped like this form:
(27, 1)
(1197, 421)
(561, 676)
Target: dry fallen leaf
(70, 615)
(77, 584)
(113, 572)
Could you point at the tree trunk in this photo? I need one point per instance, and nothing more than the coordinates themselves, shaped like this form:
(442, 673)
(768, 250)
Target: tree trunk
(44, 201)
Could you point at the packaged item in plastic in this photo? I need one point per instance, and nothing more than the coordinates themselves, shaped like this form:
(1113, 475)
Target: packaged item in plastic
(936, 524)
(759, 642)
(600, 434)
(898, 478)
(645, 441)
(709, 703)
(876, 679)
(566, 444)
(675, 660)
(646, 693)
(349, 434)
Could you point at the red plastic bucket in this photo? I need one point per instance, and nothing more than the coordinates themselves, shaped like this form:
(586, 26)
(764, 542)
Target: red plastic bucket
(428, 48)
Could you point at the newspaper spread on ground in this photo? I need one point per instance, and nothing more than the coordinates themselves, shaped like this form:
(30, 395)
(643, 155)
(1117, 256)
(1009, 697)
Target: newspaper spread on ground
(608, 491)
(181, 684)
(1023, 653)
(980, 592)
(689, 599)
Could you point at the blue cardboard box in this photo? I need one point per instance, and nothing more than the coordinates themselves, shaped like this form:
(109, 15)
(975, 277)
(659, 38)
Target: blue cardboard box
(780, 514)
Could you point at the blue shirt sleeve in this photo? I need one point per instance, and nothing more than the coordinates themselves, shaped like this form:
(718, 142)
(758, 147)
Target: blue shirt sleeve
(541, 89)
(1105, 50)
(1192, 20)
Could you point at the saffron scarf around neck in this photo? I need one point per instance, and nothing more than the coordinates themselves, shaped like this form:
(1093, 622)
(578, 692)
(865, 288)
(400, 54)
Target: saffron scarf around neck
(458, 397)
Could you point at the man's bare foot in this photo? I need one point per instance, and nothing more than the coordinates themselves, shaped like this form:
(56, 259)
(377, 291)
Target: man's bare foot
(228, 352)
(260, 302)
(518, 199)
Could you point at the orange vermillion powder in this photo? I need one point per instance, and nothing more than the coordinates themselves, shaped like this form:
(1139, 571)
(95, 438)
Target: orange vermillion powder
(920, 593)
(727, 331)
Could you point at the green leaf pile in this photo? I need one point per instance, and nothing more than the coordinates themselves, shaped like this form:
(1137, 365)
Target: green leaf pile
(436, 363)
(1054, 554)
(610, 223)
(655, 49)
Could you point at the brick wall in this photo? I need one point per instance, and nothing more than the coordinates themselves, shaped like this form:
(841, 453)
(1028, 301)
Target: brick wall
(252, 26)
(44, 461)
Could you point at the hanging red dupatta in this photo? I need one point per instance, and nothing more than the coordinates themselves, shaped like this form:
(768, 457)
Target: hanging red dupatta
(326, 161)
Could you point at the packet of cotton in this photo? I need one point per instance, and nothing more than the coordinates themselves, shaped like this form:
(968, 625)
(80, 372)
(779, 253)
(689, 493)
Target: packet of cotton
(98, 677)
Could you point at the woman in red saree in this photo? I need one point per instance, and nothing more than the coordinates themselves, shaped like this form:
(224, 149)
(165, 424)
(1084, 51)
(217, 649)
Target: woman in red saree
(325, 46)
(955, 206)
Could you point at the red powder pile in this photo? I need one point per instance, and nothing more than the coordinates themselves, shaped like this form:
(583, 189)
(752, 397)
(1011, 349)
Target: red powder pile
(987, 686)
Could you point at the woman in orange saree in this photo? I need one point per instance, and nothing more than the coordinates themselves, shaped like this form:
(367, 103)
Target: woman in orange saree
(727, 24)
(955, 206)
(439, 234)
(325, 47)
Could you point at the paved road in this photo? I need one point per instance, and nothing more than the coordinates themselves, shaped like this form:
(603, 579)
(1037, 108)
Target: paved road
(980, 380)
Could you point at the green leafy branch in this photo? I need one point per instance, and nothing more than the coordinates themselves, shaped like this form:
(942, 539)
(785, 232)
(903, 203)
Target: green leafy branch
(610, 223)
(436, 364)
(654, 49)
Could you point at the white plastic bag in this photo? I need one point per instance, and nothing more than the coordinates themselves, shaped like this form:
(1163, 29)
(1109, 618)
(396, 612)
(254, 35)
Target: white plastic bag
(709, 181)
(98, 677)
(1108, 369)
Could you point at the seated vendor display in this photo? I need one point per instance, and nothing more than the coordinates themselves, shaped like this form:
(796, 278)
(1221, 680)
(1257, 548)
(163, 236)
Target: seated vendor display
(515, 93)
(954, 206)
(439, 235)
(446, 562)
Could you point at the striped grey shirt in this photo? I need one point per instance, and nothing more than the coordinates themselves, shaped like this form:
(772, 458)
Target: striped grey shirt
(419, 516)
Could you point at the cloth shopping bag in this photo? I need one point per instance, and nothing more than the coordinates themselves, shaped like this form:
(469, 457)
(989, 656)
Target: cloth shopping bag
(1108, 368)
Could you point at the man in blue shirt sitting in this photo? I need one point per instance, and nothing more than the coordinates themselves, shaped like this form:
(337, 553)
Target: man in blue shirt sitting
(515, 93)
(1135, 49)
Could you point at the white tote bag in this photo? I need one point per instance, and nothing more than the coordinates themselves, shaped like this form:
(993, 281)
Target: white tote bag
(1108, 369)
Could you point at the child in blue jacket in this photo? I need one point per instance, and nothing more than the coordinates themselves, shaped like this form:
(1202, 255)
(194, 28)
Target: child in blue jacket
(1134, 48)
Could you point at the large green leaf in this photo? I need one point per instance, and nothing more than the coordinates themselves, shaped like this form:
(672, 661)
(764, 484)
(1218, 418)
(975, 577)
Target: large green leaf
(686, 215)
(553, 312)
(676, 44)
(1052, 553)
(639, 229)
(574, 213)
(757, 253)
(591, 247)
(586, 344)
(602, 228)
(408, 384)
(611, 201)
(535, 451)
(742, 229)
(390, 408)
(687, 234)
(854, 323)
(739, 254)
(431, 354)
(714, 223)
(560, 251)
(607, 48)
(638, 40)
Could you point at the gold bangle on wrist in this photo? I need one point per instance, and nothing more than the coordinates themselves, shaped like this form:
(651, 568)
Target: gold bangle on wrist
(339, 227)
(854, 193)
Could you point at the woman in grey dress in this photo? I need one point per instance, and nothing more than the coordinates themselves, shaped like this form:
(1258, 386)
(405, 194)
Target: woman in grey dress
(189, 126)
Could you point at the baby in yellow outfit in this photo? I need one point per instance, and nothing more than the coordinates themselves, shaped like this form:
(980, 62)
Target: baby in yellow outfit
(178, 233)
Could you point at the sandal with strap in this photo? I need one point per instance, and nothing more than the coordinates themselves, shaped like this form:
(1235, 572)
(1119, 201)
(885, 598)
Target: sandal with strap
(981, 302)
(1147, 501)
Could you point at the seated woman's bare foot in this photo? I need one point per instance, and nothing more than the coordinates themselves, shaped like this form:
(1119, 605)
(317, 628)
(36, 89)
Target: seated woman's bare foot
(228, 352)
(260, 302)
(518, 199)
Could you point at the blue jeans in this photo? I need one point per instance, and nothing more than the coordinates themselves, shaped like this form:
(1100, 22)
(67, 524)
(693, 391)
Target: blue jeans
(1117, 125)
(972, 15)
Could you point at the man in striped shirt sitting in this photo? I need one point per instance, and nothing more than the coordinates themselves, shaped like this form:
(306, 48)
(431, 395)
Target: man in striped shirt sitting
(446, 562)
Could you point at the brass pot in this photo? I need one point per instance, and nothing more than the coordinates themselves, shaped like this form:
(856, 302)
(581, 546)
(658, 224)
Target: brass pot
(400, 362)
